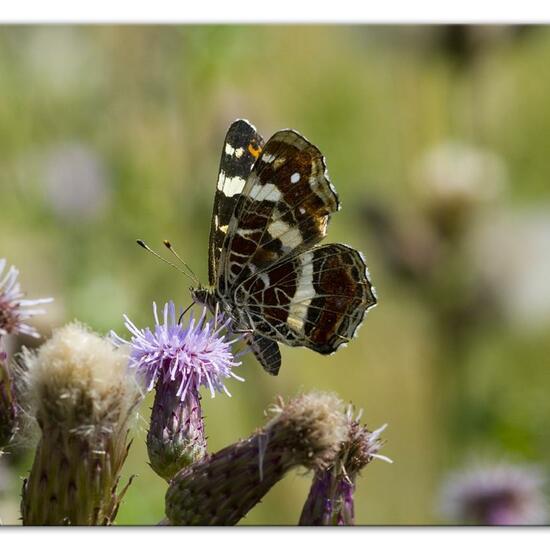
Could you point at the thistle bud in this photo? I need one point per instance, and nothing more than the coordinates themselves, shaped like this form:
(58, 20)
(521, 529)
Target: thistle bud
(220, 489)
(330, 500)
(176, 435)
(83, 400)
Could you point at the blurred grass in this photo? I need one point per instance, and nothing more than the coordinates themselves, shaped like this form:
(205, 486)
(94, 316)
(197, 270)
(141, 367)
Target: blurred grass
(151, 105)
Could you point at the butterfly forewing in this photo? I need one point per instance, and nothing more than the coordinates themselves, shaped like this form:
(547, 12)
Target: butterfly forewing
(241, 148)
(285, 206)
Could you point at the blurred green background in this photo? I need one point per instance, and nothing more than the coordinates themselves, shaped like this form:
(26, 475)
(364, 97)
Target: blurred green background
(437, 140)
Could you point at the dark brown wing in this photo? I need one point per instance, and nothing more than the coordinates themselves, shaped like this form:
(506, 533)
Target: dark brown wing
(317, 298)
(241, 148)
(284, 207)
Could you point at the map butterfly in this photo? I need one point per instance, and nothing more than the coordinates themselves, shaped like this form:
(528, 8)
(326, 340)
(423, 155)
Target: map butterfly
(267, 271)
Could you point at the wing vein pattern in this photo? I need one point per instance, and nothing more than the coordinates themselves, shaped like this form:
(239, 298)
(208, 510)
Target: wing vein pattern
(272, 207)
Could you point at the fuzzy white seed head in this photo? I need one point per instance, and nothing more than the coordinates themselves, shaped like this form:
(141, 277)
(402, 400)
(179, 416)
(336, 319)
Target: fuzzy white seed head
(317, 422)
(80, 380)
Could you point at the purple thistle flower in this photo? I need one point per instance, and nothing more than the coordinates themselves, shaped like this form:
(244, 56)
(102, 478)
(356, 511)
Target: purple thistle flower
(177, 360)
(495, 494)
(14, 311)
(192, 356)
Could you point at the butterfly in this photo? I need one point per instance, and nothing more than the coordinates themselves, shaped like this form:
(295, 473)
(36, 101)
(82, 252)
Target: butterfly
(267, 270)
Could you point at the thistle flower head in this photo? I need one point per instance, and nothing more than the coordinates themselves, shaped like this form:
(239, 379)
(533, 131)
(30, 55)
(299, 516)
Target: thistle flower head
(361, 446)
(81, 395)
(78, 380)
(198, 354)
(495, 494)
(316, 421)
(14, 311)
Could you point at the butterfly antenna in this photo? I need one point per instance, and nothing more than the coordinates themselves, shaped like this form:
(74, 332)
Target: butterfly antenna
(169, 246)
(143, 245)
(185, 311)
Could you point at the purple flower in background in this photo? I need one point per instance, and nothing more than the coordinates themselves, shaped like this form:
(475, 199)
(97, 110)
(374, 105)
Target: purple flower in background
(495, 494)
(177, 359)
(14, 311)
(75, 182)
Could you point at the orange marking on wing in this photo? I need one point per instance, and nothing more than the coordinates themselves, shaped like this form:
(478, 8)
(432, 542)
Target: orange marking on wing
(255, 152)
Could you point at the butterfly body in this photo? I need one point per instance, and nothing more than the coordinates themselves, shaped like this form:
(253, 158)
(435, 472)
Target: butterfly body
(267, 270)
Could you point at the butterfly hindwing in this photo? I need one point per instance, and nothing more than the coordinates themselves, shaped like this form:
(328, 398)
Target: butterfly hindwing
(284, 206)
(241, 148)
(317, 298)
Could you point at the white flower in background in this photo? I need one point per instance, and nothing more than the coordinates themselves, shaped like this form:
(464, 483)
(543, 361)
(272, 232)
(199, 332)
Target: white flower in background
(62, 60)
(75, 182)
(509, 252)
(455, 172)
